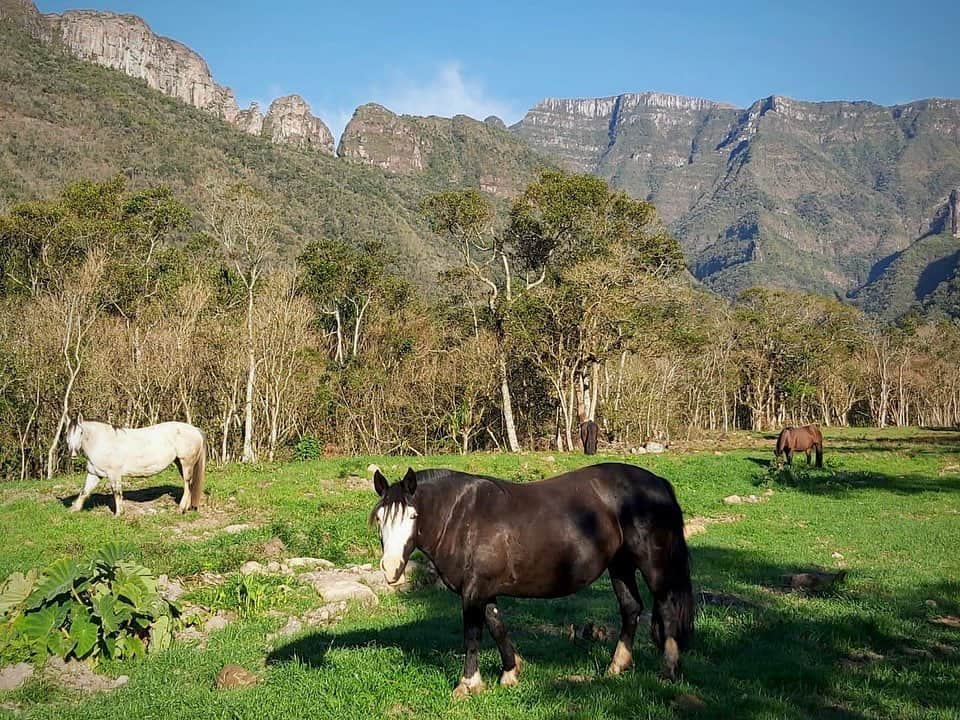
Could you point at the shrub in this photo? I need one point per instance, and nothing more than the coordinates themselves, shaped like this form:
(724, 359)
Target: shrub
(108, 608)
(308, 448)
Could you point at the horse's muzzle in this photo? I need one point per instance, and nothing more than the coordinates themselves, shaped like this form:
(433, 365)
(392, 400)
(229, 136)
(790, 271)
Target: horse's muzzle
(391, 581)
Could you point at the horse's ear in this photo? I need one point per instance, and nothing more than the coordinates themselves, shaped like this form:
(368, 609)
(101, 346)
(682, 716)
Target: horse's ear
(380, 483)
(79, 418)
(410, 482)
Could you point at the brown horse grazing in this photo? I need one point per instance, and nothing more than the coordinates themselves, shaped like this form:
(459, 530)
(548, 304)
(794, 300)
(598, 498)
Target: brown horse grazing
(800, 439)
(545, 539)
(588, 436)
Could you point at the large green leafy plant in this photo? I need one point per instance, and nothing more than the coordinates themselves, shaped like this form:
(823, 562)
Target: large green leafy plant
(109, 608)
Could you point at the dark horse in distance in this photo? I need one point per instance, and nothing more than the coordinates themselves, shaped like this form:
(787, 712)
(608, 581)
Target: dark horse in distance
(800, 439)
(545, 539)
(588, 436)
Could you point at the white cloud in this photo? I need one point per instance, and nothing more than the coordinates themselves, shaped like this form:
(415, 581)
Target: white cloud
(447, 93)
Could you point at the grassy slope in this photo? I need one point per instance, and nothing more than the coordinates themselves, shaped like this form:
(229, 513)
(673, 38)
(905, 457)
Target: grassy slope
(62, 119)
(887, 503)
(914, 276)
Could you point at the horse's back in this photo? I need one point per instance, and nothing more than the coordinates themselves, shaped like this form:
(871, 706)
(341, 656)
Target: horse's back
(550, 537)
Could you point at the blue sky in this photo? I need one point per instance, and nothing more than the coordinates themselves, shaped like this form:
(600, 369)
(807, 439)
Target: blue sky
(500, 58)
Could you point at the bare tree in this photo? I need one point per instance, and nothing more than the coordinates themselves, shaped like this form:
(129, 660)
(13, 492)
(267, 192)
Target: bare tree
(76, 306)
(246, 226)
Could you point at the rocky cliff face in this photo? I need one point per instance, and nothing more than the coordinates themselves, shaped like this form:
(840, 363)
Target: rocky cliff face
(785, 192)
(23, 13)
(376, 136)
(126, 43)
(250, 120)
(455, 151)
(289, 122)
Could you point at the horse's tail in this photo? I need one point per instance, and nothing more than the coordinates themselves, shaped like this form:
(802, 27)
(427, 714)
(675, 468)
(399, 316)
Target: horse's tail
(197, 474)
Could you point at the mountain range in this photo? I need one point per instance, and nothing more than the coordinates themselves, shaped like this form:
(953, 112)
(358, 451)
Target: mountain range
(850, 199)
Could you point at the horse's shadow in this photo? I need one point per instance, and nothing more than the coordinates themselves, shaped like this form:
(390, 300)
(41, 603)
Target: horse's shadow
(430, 639)
(138, 495)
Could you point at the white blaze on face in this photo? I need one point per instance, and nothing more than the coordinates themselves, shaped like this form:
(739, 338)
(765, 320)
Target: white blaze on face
(74, 436)
(397, 525)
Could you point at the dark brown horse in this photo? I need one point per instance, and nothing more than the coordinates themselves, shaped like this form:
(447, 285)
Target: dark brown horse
(588, 436)
(800, 439)
(545, 539)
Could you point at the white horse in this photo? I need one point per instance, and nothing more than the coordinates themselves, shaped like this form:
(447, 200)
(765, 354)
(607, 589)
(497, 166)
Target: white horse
(114, 452)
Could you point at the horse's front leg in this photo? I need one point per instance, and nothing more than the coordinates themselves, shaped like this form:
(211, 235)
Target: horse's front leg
(88, 487)
(471, 682)
(509, 659)
(623, 577)
(117, 494)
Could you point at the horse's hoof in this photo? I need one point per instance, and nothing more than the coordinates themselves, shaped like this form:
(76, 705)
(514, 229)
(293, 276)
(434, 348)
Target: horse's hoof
(622, 659)
(75, 508)
(614, 669)
(469, 686)
(511, 677)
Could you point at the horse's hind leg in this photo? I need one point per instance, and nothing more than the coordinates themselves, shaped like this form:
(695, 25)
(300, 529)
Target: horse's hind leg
(509, 659)
(185, 470)
(88, 487)
(623, 577)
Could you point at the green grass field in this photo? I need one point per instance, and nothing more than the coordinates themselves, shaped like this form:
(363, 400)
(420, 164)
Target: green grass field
(886, 508)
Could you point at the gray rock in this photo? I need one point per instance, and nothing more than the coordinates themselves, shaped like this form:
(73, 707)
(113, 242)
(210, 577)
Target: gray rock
(238, 528)
(293, 626)
(309, 562)
(252, 567)
(654, 447)
(217, 622)
(170, 590)
(332, 589)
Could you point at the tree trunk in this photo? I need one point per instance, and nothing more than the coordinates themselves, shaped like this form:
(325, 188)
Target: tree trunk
(508, 422)
(64, 409)
(248, 453)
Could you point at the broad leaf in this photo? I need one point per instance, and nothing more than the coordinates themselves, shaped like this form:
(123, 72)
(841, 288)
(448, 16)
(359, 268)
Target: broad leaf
(131, 588)
(36, 625)
(105, 609)
(16, 590)
(57, 579)
(83, 632)
(112, 554)
(60, 643)
(160, 634)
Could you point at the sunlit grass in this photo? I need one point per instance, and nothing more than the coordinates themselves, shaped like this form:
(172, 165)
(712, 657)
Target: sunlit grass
(885, 508)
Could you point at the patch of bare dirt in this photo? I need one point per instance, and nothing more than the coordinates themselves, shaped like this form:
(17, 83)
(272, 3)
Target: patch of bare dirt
(859, 659)
(950, 621)
(573, 679)
(812, 581)
(698, 524)
(76, 675)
